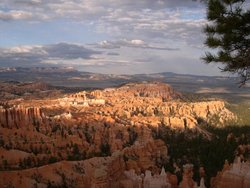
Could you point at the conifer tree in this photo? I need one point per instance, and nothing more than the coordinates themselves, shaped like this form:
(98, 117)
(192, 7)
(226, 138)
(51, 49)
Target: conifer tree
(228, 32)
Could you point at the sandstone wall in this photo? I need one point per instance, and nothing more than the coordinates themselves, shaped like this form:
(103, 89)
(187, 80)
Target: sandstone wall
(19, 116)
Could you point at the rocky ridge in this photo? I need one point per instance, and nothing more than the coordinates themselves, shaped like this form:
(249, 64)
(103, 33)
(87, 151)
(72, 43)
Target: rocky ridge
(107, 138)
(20, 116)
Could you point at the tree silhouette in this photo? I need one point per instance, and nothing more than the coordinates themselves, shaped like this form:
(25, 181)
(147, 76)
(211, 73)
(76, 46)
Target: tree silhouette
(229, 34)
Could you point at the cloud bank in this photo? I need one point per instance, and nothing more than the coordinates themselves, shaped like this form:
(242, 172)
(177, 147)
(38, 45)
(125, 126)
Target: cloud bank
(112, 34)
(37, 55)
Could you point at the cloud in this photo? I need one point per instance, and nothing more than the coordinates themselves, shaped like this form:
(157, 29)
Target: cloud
(113, 54)
(28, 3)
(56, 9)
(128, 30)
(107, 45)
(155, 25)
(134, 43)
(69, 51)
(15, 15)
(151, 20)
(35, 55)
(126, 4)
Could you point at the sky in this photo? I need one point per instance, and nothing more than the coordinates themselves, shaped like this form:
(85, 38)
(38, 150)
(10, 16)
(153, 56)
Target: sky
(105, 36)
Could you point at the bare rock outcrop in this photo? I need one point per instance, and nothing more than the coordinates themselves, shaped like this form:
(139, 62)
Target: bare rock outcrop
(187, 115)
(236, 175)
(98, 172)
(187, 181)
(147, 155)
(153, 89)
(19, 116)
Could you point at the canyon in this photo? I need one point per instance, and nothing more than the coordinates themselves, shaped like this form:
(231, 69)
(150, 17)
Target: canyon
(101, 138)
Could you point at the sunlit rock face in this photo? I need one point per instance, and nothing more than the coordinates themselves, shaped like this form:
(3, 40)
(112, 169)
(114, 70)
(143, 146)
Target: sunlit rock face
(236, 175)
(186, 115)
(143, 156)
(153, 90)
(19, 116)
(157, 103)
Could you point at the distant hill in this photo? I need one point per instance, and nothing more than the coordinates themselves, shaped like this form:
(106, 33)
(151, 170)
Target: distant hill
(70, 78)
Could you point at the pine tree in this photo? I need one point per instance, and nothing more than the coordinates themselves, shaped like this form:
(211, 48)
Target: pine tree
(229, 33)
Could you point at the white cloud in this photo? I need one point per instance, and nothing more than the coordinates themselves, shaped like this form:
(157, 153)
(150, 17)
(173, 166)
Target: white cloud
(134, 43)
(154, 25)
(107, 45)
(137, 42)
